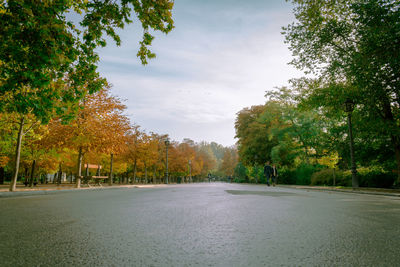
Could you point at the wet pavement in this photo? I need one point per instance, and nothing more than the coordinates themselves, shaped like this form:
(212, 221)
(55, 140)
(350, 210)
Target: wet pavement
(212, 224)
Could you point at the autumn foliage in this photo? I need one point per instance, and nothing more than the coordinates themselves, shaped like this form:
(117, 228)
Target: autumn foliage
(101, 130)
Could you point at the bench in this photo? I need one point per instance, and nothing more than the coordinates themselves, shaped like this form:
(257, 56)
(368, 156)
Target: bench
(26, 183)
(97, 178)
(86, 180)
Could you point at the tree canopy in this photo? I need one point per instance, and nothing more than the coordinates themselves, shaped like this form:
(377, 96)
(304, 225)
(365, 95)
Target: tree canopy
(48, 62)
(352, 48)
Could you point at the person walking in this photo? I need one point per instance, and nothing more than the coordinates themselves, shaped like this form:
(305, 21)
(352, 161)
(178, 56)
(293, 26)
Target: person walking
(268, 172)
(274, 175)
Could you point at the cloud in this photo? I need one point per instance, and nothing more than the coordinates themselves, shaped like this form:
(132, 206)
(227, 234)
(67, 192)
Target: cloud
(216, 62)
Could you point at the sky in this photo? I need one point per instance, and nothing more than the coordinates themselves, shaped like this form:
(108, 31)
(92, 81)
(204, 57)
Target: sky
(222, 56)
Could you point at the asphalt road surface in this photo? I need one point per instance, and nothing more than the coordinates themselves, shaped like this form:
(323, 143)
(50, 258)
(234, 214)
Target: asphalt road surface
(210, 224)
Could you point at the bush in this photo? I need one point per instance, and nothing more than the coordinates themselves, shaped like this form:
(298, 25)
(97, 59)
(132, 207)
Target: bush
(300, 176)
(240, 179)
(240, 173)
(376, 177)
(325, 177)
(368, 177)
(255, 174)
(286, 176)
(304, 172)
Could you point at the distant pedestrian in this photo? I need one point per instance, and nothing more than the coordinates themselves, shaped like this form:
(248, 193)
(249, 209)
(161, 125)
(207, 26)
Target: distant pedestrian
(268, 172)
(209, 177)
(274, 175)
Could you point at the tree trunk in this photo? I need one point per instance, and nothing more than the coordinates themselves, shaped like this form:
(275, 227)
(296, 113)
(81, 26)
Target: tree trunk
(26, 179)
(395, 138)
(2, 175)
(145, 173)
(98, 170)
(13, 185)
(396, 145)
(110, 179)
(79, 173)
(134, 172)
(32, 173)
(334, 176)
(59, 176)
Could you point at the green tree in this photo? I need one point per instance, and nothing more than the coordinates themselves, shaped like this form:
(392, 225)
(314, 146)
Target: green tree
(371, 140)
(354, 44)
(241, 173)
(253, 139)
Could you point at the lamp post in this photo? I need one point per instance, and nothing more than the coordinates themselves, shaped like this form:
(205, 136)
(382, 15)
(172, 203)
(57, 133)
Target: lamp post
(349, 107)
(190, 171)
(166, 141)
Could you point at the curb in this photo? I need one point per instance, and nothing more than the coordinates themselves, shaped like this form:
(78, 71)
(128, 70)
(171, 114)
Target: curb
(36, 192)
(351, 191)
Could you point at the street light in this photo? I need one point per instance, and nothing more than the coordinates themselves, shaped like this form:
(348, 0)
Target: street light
(166, 141)
(349, 107)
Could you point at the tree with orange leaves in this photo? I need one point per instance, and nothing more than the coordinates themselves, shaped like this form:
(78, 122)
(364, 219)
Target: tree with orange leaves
(132, 150)
(229, 161)
(100, 127)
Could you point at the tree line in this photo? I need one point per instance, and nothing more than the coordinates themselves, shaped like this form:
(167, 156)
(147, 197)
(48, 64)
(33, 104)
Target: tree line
(101, 134)
(56, 111)
(351, 49)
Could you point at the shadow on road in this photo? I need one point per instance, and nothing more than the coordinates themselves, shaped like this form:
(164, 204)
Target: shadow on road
(260, 193)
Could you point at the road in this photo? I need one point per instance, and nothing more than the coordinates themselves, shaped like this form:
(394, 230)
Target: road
(210, 224)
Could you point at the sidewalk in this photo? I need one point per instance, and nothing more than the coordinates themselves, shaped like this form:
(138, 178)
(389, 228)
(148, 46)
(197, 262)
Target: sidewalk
(360, 190)
(43, 189)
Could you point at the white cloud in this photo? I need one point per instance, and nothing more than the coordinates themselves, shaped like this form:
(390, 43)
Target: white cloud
(203, 75)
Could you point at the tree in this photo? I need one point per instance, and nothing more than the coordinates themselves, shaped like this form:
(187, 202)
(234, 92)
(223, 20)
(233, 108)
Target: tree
(371, 140)
(112, 126)
(147, 153)
(187, 153)
(252, 136)
(299, 130)
(206, 156)
(6, 143)
(229, 161)
(23, 127)
(42, 52)
(354, 44)
(132, 151)
(241, 173)
(176, 160)
(99, 127)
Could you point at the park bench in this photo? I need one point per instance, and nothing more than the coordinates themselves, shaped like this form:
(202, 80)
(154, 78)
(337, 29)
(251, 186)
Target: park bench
(96, 178)
(26, 182)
